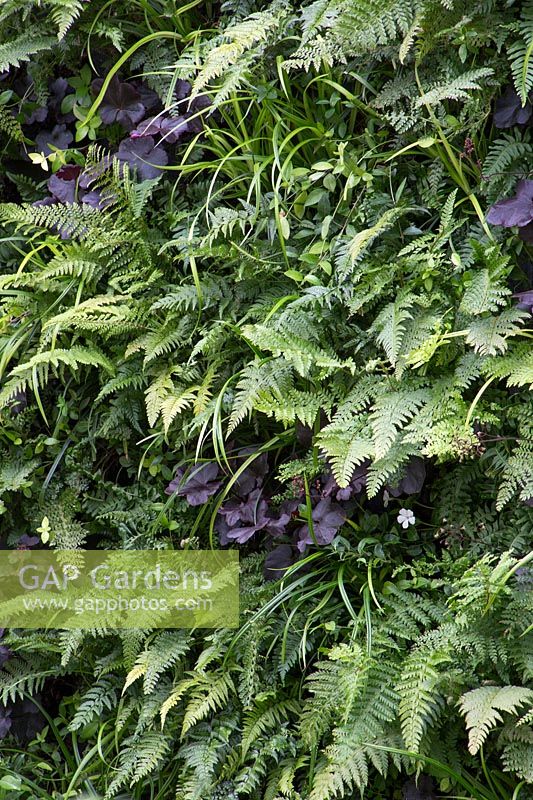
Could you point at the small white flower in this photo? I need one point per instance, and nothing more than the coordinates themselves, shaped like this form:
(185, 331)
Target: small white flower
(406, 517)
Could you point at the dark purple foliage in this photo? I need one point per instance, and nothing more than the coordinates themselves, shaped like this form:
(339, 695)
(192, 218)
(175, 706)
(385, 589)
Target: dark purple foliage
(196, 113)
(59, 137)
(280, 520)
(197, 485)
(5, 652)
(278, 561)
(516, 211)
(526, 233)
(524, 578)
(356, 485)
(95, 199)
(525, 300)
(421, 788)
(149, 99)
(37, 114)
(22, 719)
(63, 188)
(70, 185)
(143, 155)
(27, 542)
(253, 476)
(182, 89)
(5, 721)
(413, 479)
(26, 720)
(244, 518)
(58, 90)
(509, 111)
(169, 128)
(19, 402)
(239, 519)
(122, 103)
(327, 518)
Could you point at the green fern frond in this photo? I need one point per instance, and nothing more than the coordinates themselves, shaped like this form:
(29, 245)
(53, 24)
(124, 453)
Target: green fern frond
(481, 708)
(23, 47)
(420, 701)
(520, 54)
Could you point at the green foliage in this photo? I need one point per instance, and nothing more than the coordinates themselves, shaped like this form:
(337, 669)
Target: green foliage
(313, 276)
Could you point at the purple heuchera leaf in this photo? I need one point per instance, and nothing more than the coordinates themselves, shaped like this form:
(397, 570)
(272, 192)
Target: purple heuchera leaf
(244, 518)
(63, 187)
(517, 211)
(59, 137)
(327, 518)
(356, 485)
(26, 542)
(526, 233)
(196, 113)
(413, 479)
(278, 561)
(509, 111)
(525, 300)
(5, 721)
(198, 485)
(182, 89)
(69, 185)
(26, 720)
(58, 90)
(5, 654)
(149, 98)
(122, 103)
(240, 519)
(277, 525)
(143, 155)
(38, 114)
(95, 199)
(170, 128)
(252, 477)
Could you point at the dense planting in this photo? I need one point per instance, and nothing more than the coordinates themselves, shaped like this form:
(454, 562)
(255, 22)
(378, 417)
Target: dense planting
(266, 284)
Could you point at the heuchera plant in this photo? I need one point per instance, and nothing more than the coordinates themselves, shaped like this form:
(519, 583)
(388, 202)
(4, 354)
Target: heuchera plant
(251, 509)
(509, 111)
(516, 212)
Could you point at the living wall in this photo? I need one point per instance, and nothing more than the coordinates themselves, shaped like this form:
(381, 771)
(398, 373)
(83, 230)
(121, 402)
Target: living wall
(266, 284)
